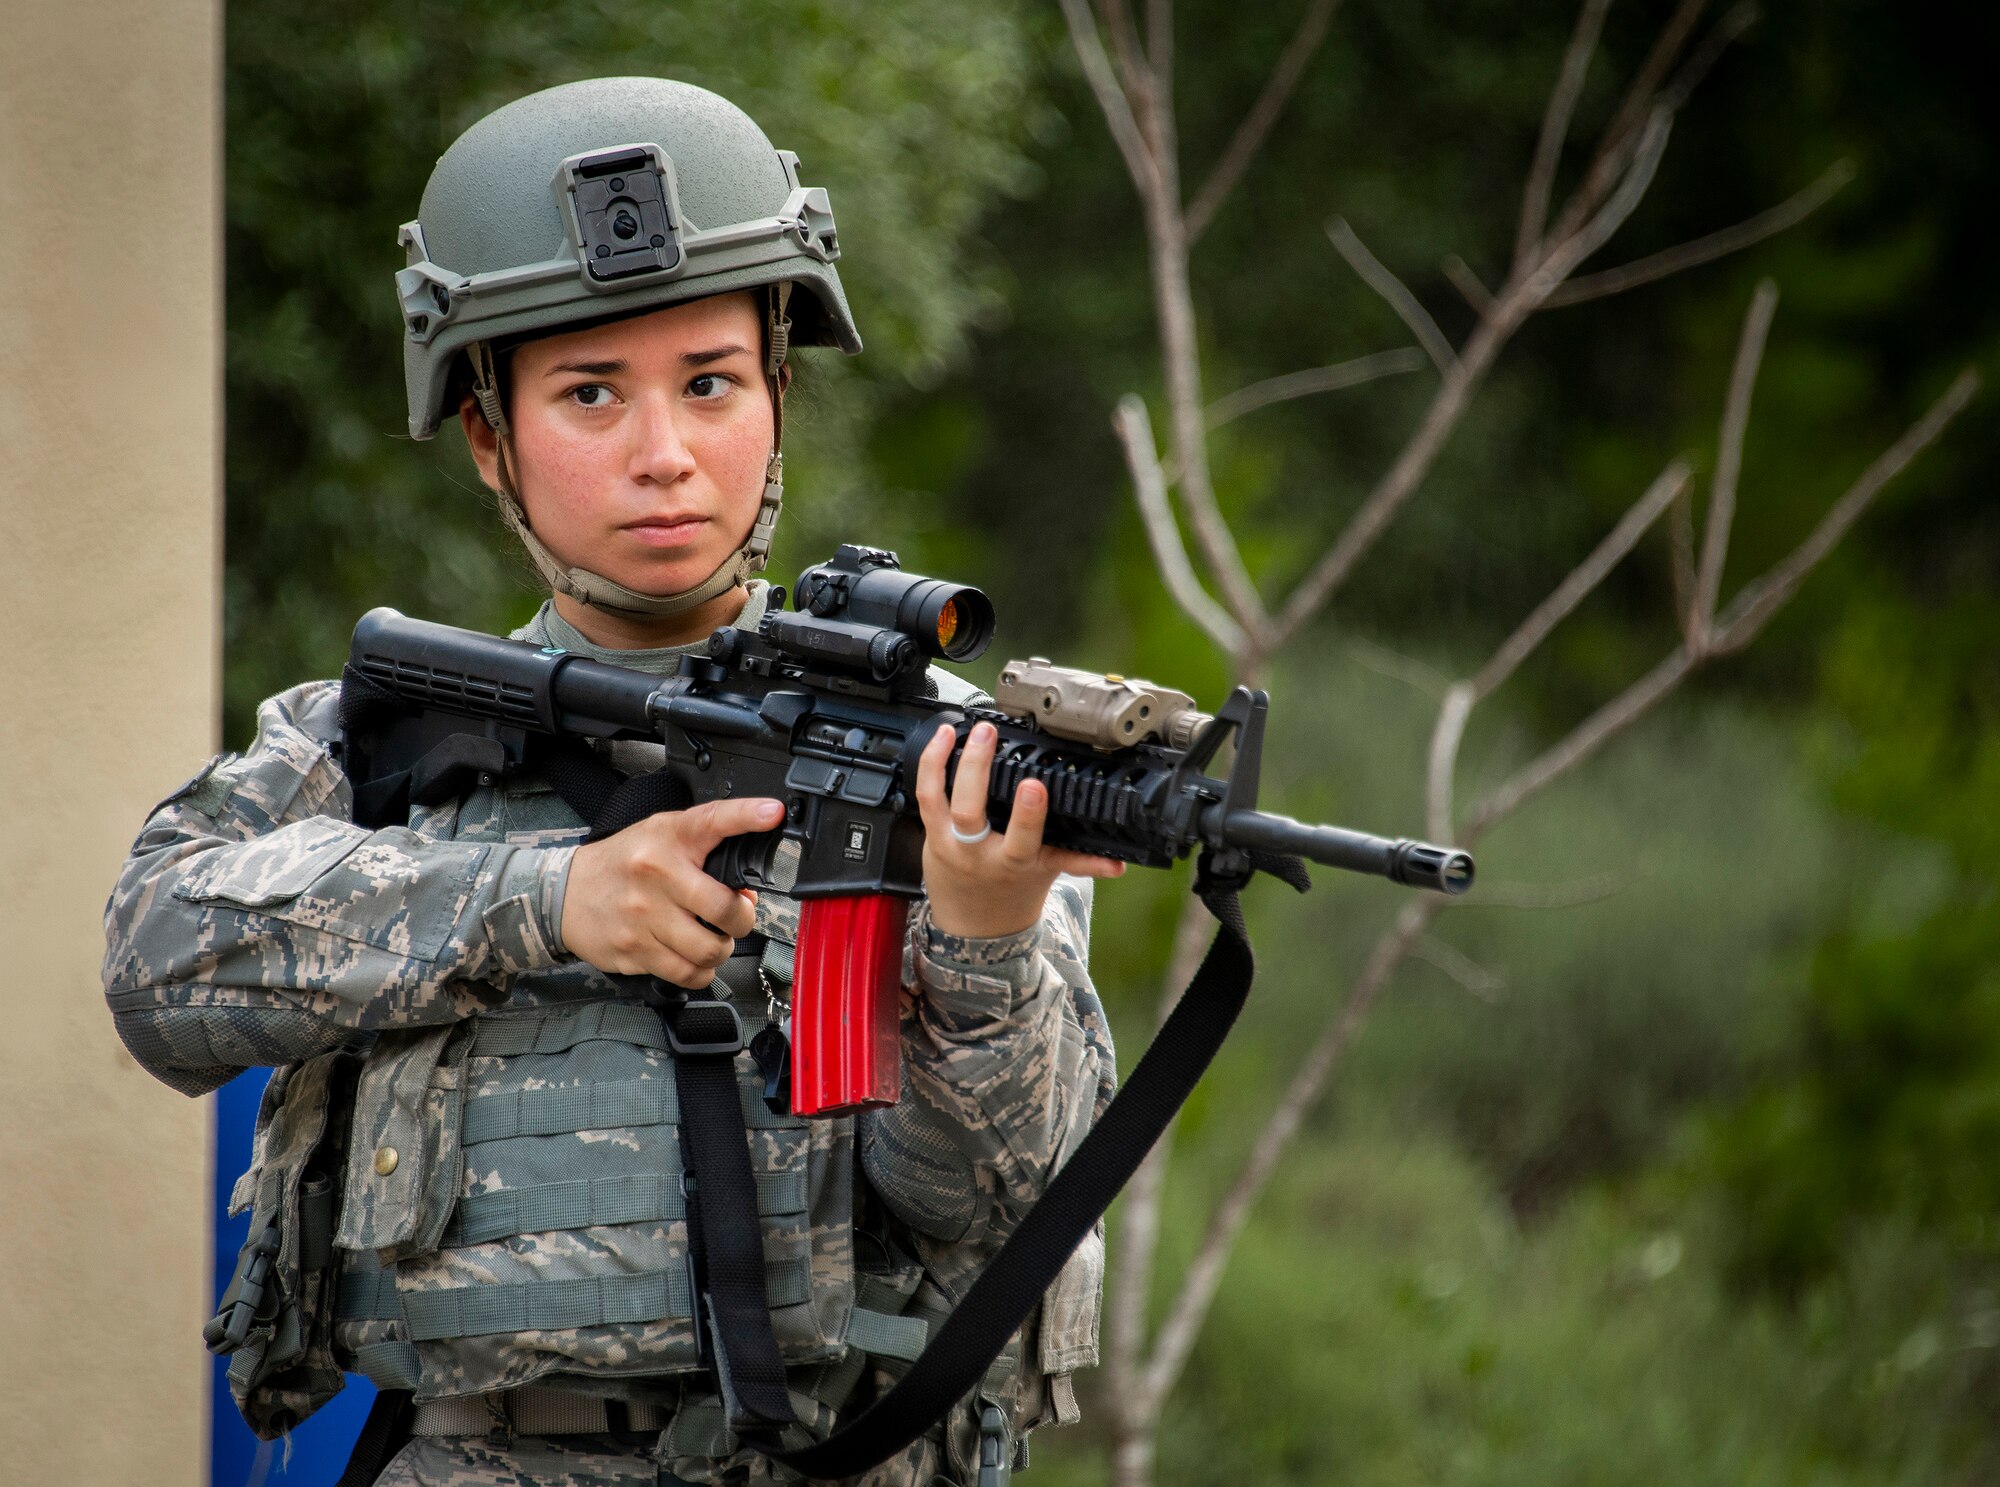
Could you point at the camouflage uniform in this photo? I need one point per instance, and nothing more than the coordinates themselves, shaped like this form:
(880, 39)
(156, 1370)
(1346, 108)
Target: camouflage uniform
(509, 1207)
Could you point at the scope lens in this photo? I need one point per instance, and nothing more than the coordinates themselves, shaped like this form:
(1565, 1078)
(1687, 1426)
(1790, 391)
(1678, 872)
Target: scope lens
(958, 619)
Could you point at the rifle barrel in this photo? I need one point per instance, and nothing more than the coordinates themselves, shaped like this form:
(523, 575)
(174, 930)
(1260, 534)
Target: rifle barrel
(1414, 864)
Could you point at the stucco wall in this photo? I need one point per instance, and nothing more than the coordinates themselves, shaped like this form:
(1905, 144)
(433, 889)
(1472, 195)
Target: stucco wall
(110, 321)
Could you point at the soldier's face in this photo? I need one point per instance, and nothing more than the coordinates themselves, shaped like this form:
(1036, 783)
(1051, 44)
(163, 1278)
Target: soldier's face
(639, 447)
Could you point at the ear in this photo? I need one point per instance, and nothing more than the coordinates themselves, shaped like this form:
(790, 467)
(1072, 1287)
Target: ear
(482, 441)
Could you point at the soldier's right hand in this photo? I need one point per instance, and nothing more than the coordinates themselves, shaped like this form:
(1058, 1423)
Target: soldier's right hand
(635, 901)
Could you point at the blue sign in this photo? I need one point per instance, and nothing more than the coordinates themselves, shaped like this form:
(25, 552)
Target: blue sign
(319, 1448)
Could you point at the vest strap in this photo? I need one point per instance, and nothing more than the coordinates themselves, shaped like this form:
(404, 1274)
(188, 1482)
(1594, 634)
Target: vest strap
(545, 1305)
(558, 1032)
(885, 1336)
(639, 1198)
(602, 1107)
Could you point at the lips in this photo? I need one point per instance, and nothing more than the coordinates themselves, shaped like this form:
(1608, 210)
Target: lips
(666, 531)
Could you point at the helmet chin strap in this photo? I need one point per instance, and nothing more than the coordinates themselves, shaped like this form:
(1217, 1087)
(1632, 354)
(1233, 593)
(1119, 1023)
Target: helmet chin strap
(594, 588)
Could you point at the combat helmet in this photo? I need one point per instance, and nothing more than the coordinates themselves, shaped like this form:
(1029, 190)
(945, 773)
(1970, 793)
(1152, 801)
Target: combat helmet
(594, 201)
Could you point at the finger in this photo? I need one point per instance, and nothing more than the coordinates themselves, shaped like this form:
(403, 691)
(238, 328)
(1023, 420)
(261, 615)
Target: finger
(701, 948)
(723, 907)
(968, 789)
(1081, 864)
(676, 969)
(930, 778)
(1023, 842)
(704, 826)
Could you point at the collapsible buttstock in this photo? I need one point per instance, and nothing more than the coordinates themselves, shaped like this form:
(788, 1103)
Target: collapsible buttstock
(846, 1003)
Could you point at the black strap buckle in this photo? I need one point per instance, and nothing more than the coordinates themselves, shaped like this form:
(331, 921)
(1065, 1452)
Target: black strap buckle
(244, 1297)
(705, 1027)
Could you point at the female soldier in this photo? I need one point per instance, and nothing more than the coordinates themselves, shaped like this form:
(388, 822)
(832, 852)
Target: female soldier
(467, 1181)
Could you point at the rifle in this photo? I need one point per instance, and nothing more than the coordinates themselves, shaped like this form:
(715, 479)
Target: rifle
(827, 708)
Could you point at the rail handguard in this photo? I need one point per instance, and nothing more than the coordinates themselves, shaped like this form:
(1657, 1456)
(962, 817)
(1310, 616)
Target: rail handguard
(827, 708)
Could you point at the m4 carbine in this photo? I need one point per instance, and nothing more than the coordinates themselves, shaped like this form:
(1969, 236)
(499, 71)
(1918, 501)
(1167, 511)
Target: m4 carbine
(826, 708)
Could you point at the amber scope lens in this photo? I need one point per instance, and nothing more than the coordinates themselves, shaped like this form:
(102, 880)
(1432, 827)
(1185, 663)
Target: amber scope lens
(948, 621)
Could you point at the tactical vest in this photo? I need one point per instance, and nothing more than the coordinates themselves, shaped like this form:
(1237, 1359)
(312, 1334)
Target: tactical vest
(511, 1209)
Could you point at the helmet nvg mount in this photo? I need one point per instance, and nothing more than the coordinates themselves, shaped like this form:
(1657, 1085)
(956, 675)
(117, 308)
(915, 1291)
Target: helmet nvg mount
(597, 200)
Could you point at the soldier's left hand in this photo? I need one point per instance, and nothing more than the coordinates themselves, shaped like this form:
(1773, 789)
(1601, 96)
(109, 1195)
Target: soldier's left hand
(995, 886)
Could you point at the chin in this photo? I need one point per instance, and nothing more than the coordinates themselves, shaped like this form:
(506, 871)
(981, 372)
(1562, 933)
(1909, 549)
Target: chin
(659, 578)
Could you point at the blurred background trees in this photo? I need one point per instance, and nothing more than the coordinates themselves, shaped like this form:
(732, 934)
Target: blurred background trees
(1694, 1180)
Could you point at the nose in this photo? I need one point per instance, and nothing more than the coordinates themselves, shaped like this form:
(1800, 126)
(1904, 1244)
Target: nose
(660, 454)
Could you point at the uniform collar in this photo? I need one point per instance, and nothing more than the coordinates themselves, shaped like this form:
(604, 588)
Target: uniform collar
(550, 628)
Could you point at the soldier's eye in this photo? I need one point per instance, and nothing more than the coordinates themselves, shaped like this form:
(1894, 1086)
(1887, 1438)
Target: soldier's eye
(709, 386)
(590, 395)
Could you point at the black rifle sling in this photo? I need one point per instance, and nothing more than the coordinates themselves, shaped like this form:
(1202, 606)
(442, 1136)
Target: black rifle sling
(385, 1432)
(706, 1035)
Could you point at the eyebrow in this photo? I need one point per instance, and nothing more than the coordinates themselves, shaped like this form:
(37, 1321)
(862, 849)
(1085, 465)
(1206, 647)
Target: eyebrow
(719, 353)
(613, 367)
(590, 368)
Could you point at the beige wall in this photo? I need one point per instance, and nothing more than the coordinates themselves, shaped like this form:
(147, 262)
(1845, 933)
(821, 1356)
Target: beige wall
(110, 318)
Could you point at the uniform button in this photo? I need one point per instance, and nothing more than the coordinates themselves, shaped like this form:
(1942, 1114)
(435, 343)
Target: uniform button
(385, 1160)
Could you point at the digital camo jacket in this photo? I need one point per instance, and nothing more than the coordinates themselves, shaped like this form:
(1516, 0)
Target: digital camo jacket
(508, 1195)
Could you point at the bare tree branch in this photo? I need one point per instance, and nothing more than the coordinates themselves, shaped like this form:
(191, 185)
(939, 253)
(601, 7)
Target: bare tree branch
(1111, 98)
(1736, 627)
(1571, 251)
(1136, 1237)
(1681, 539)
(1751, 609)
(1160, 40)
(1135, 432)
(1249, 136)
(1400, 481)
(1586, 576)
(1392, 289)
(1461, 967)
(1341, 374)
(1570, 895)
(1735, 21)
(1459, 701)
(1400, 668)
(1555, 129)
(1147, 142)
(1616, 145)
(1441, 773)
(1183, 1322)
(1754, 605)
(1467, 283)
(1134, 71)
(1718, 244)
(1582, 741)
(1729, 455)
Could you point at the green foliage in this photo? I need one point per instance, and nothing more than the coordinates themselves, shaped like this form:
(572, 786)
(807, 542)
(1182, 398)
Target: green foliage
(1386, 1321)
(914, 116)
(1890, 1104)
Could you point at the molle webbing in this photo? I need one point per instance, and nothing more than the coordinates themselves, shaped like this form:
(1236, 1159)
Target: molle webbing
(549, 1305)
(546, 1305)
(595, 1107)
(618, 1022)
(635, 1198)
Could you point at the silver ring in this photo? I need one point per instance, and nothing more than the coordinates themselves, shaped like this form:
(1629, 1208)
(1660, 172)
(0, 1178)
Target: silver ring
(985, 830)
